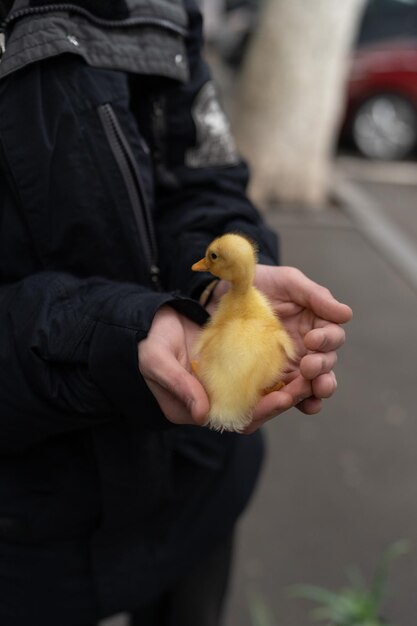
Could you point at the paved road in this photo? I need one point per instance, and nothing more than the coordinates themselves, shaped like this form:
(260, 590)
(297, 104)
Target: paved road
(391, 186)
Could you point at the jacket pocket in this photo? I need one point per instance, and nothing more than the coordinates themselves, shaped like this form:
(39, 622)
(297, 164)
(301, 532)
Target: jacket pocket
(84, 178)
(135, 188)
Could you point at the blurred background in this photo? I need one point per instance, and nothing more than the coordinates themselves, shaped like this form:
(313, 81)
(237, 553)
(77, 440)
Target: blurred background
(322, 100)
(377, 75)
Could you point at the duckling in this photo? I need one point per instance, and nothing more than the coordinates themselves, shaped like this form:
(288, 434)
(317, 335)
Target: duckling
(242, 351)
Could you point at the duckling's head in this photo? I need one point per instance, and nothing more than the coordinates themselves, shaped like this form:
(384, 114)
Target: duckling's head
(231, 257)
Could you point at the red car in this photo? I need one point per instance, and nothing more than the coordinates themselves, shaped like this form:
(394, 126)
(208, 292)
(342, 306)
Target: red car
(381, 115)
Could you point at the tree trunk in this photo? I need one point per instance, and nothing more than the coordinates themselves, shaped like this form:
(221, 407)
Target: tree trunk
(290, 95)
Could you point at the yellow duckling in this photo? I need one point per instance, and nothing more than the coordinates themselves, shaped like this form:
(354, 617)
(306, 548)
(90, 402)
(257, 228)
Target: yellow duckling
(242, 351)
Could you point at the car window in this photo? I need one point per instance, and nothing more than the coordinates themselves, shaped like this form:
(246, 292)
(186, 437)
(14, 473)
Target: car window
(414, 2)
(388, 19)
(380, 3)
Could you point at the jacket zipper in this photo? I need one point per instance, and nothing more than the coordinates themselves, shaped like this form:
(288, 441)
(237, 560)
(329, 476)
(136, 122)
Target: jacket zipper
(145, 20)
(135, 188)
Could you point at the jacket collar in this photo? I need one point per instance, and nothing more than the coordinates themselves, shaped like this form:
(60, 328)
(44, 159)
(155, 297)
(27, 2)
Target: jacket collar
(5, 6)
(118, 44)
(110, 9)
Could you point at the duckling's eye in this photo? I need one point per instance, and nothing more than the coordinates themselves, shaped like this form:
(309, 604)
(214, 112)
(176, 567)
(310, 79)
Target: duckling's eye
(213, 256)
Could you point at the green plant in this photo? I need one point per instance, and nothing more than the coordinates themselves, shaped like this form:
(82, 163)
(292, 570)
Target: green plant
(259, 611)
(355, 605)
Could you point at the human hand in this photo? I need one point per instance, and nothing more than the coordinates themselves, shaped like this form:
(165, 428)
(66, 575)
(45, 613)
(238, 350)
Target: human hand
(313, 319)
(164, 362)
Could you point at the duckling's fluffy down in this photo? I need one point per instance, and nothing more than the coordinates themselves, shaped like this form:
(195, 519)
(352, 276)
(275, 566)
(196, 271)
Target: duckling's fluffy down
(239, 357)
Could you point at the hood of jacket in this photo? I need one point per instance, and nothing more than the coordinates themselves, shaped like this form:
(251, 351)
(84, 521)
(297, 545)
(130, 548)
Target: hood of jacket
(111, 9)
(106, 37)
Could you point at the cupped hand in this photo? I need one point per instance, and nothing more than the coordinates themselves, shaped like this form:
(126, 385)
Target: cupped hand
(164, 362)
(311, 316)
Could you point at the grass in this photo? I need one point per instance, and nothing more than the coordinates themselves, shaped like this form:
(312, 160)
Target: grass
(356, 604)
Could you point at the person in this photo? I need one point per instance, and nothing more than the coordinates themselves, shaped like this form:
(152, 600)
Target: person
(117, 168)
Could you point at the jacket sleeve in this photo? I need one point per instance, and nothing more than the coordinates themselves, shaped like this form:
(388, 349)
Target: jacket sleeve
(68, 355)
(201, 179)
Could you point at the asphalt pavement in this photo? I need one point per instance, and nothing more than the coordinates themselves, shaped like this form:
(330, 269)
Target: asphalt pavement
(339, 487)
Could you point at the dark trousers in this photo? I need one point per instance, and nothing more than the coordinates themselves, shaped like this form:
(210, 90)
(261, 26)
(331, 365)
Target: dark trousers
(51, 585)
(197, 599)
(47, 584)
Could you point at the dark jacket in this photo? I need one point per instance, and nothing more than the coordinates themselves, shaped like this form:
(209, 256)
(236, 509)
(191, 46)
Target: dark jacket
(116, 170)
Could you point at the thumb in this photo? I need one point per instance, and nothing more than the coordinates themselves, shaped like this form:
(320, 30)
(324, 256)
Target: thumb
(317, 298)
(327, 307)
(179, 394)
(188, 390)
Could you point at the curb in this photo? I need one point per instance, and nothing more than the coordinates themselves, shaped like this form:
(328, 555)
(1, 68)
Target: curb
(391, 243)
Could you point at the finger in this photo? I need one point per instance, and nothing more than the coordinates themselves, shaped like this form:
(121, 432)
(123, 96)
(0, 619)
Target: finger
(168, 374)
(277, 402)
(324, 386)
(271, 405)
(325, 337)
(310, 406)
(317, 298)
(313, 365)
(173, 409)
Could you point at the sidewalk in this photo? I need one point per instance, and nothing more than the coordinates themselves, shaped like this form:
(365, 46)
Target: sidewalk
(340, 486)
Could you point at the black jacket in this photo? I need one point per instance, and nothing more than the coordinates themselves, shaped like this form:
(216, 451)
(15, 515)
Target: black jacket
(116, 170)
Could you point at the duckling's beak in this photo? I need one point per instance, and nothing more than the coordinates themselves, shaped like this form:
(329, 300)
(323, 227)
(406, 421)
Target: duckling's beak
(200, 266)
